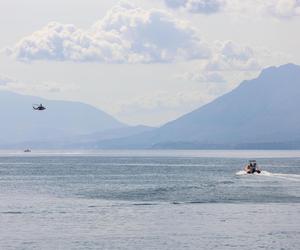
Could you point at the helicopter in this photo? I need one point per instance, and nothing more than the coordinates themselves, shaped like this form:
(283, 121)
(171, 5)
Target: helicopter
(38, 107)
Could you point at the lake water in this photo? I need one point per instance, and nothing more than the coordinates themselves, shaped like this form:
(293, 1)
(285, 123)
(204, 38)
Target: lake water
(149, 200)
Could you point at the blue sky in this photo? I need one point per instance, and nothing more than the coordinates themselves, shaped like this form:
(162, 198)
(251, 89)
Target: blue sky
(145, 62)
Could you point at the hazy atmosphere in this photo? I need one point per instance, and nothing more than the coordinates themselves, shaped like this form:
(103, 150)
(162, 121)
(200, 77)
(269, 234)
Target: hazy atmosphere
(144, 62)
(149, 124)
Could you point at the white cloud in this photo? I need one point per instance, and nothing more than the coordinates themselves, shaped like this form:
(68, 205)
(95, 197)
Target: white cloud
(282, 8)
(198, 6)
(230, 56)
(127, 34)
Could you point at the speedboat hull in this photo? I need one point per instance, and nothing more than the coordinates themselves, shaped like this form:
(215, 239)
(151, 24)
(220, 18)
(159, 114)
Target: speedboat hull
(253, 172)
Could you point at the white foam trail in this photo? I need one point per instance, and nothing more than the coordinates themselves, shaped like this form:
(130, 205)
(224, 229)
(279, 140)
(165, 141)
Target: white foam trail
(242, 172)
(291, 177)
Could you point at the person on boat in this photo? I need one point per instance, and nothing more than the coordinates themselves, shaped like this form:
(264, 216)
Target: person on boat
(252, 168)
(255, 168)
(249, 169)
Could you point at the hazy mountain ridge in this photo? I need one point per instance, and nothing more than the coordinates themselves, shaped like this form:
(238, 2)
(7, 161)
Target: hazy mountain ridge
(260, 113)
(61, 119)
(256, 111)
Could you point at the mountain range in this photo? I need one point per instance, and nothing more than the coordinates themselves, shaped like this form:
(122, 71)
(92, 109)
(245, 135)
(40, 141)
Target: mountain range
(259, 113)
(61, 120)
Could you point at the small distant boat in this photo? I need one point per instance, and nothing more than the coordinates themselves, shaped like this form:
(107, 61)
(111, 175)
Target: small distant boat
(252, 168)
(27, 150)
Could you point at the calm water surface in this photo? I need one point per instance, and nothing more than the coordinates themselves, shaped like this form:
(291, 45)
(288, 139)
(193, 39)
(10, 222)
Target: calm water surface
(149, 200)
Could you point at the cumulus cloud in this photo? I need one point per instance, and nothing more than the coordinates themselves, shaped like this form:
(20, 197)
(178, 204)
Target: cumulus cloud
(282, 8)
(230, 56)
(227, 57)
(198, 6)
(127, 34)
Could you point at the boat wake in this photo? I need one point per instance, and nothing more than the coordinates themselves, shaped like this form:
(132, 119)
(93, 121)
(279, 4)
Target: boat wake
(291, 177)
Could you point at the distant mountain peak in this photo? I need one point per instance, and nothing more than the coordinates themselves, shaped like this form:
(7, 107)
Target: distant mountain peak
(285, 68)
(260, 113)
(263, 112)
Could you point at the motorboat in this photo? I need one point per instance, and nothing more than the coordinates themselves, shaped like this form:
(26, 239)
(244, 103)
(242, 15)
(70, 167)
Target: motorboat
(252, 168)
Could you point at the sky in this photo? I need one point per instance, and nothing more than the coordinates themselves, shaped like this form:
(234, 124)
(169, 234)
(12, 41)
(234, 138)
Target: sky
(143, 61)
